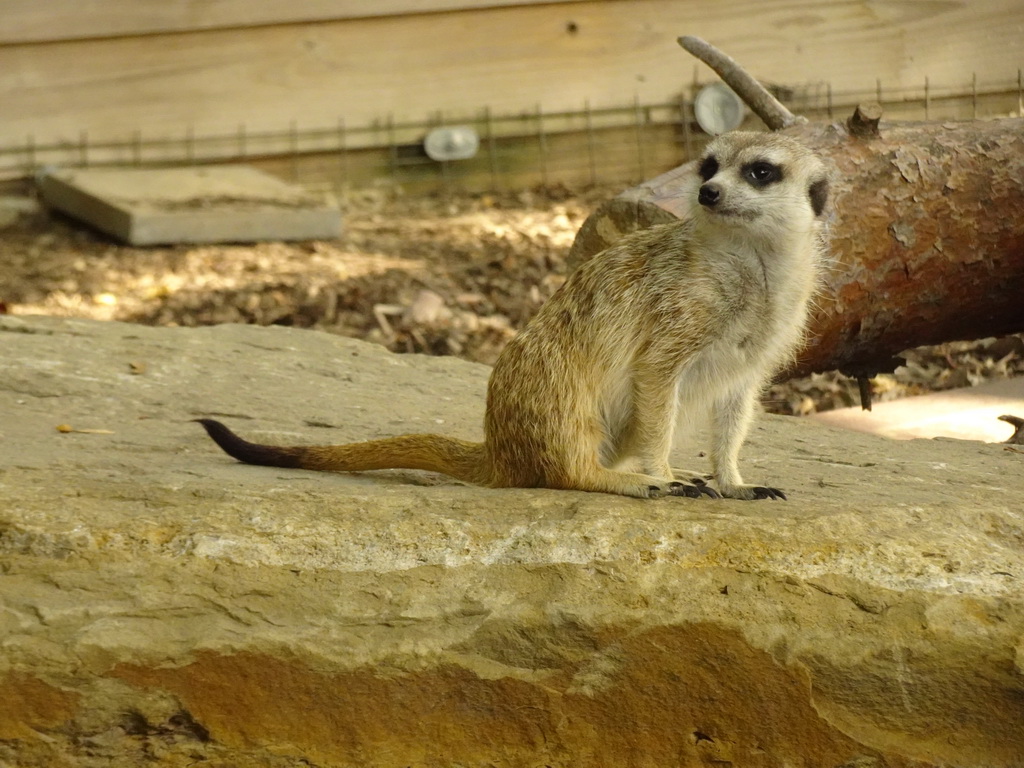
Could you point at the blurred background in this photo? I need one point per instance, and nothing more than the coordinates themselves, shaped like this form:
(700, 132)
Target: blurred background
(344, 91)
(558, 106)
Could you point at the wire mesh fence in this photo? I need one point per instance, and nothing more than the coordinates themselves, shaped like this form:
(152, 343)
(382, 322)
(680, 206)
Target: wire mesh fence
(621, 144)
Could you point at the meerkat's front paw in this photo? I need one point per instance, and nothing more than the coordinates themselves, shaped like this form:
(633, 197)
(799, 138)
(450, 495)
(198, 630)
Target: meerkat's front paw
(751, 492)
(674, 488)
(694, 491)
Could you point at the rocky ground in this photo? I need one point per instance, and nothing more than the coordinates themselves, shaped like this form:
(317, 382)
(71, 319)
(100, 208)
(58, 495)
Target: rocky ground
(453, 274)
(163, 605)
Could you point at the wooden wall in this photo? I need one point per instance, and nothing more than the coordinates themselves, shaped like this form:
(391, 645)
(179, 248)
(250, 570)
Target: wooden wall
(111, 69)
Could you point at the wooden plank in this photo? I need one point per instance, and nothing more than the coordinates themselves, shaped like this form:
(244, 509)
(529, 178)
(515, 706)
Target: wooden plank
(31, 21)
(511, 59)
(190, 205)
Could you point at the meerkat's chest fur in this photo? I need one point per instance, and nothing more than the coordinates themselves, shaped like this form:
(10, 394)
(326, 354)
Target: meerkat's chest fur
(761, 313)
(735, 310)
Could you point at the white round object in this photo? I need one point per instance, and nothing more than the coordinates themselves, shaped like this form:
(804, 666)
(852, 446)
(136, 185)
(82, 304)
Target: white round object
(451, 143)
(718, 109)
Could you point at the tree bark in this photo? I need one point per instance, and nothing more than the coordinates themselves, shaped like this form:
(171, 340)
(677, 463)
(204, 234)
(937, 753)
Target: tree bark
(926, 239)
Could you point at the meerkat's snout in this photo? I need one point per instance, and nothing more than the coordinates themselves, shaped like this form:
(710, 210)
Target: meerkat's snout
(709, 195)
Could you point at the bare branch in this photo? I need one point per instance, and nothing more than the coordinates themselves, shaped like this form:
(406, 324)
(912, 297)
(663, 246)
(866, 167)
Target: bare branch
(1017, 438)
(863, 123)
(754, 95)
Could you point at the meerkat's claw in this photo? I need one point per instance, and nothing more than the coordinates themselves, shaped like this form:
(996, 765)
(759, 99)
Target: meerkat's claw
(763, 492)
(692, 491)
(750, 492)
(682, 489)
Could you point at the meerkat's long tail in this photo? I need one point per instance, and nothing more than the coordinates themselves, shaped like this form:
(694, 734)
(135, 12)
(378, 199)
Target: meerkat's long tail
(458, 458)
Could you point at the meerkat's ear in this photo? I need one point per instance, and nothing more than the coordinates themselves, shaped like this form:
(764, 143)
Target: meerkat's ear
(819, 195)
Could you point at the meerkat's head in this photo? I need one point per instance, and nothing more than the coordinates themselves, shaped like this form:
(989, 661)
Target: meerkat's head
(762, 182)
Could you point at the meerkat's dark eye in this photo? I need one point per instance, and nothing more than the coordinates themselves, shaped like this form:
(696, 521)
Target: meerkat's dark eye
(762, 173)
(708, 168)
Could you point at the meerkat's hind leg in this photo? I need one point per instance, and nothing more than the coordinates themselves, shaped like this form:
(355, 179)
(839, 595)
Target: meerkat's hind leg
(686, 406)
(638, 485)
(697, 481)
(689, 484)
(634, 484)
(644, 446)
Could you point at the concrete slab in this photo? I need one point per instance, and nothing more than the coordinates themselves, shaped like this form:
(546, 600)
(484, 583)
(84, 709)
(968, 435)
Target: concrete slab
(966, 414)
(207, 204)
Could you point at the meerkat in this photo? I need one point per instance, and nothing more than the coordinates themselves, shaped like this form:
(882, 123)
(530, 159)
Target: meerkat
(695, 314)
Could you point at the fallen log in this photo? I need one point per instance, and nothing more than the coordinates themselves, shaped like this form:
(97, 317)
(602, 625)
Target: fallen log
(927, 235)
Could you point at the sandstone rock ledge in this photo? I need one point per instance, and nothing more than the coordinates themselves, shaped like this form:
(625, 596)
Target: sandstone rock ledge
(163, 604)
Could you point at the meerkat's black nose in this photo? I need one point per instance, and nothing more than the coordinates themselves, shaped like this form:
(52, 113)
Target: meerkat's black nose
(709, 195)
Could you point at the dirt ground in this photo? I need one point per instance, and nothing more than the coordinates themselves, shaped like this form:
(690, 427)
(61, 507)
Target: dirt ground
(452, 274)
